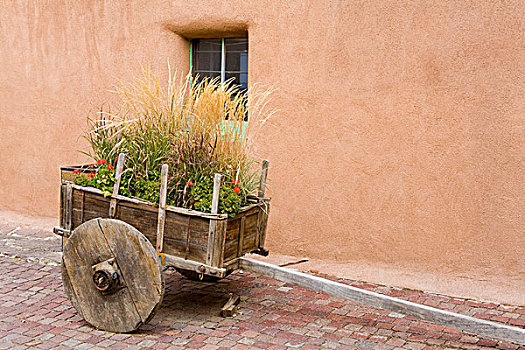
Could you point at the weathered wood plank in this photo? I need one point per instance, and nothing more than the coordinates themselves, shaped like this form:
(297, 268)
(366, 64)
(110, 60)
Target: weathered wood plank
(426, 313)
(116, 186)
(262, 181)
(83, 201)
(265, 212)
(232, 264)
(188, 233)
(162, 207)
(69, 206)
(170, 260)
(231, 306)
(62, 211)
(213, 224)
(218, 244)
(144, 220)
(223, 243)
(154, 206)
(143, 215)
(240, 242)
(250, 233)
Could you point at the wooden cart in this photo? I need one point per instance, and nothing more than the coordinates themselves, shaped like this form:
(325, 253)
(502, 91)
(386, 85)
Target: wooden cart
(114, 247)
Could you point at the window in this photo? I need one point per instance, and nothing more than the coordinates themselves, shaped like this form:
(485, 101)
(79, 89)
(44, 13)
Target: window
(226, 58)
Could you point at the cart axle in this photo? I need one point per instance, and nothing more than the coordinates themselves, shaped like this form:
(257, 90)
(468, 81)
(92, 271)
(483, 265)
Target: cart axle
(106, 277)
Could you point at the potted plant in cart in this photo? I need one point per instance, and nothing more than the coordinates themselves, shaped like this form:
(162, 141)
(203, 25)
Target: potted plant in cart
(173, 177)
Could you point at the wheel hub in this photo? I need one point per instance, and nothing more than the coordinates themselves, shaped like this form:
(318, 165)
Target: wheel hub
(106, 277)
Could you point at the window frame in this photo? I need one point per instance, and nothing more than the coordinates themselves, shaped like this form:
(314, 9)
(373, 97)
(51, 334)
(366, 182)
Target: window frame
(223, 58)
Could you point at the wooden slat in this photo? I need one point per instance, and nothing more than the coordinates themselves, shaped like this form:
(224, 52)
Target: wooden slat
(241, 236)
(265, 211)
(223, 243)
(62, 212)
(218, 244)
(170, 260)
(187, 239)
(258, 228)
(262, 181)
(116, 186)
(426, 313)
(83, 200)
(162, 207)
(250, 234)
(144, 218)
(232, 264)
(231, 306)
(213, 223)
(154, 206)
(69, 206)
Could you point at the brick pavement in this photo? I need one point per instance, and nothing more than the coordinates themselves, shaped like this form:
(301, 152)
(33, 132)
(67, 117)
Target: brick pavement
(35, 313)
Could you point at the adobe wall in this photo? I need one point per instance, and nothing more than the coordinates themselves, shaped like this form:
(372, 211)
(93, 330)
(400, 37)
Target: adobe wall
(399, 139)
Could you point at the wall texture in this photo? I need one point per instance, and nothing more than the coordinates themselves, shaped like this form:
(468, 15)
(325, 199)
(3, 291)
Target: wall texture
(400, 134)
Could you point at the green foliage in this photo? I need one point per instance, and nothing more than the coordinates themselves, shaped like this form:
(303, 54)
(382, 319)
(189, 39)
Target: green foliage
(197, 130)
(149, 189)
(103, 179)
(229, 200)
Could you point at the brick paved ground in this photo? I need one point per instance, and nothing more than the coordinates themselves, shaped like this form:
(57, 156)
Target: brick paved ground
(34, 313)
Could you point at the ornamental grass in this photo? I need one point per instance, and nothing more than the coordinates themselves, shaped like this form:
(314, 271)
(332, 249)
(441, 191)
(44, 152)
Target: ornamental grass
(197, 129)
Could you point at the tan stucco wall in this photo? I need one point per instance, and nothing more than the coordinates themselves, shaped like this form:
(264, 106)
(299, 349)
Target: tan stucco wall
(399, 140)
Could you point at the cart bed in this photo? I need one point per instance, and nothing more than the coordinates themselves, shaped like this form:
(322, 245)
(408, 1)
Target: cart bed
(186, 231)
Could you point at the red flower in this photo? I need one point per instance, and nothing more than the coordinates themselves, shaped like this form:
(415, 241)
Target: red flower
(91, 175)
(237, 189)
(110, 166)
(235, 181)
(91, 166)
(190, 183)
(116, 160)
(76, 171)
(102, 161)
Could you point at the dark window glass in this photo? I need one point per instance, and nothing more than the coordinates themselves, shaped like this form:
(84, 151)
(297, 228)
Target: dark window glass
(236, 44)
(207, 56)
(208, 61)
(207, 44)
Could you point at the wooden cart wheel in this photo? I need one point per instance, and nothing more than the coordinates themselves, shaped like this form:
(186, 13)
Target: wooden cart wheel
(112, 275)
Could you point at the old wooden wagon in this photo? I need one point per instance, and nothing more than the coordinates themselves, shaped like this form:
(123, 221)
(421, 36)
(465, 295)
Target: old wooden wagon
(114, 247)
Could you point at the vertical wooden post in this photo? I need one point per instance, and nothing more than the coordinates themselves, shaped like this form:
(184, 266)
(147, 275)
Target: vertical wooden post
(213, 223)
(116, 186)
(69, 207)
(162, 207)
(240, 247)
(262, 182)
(262, 221)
